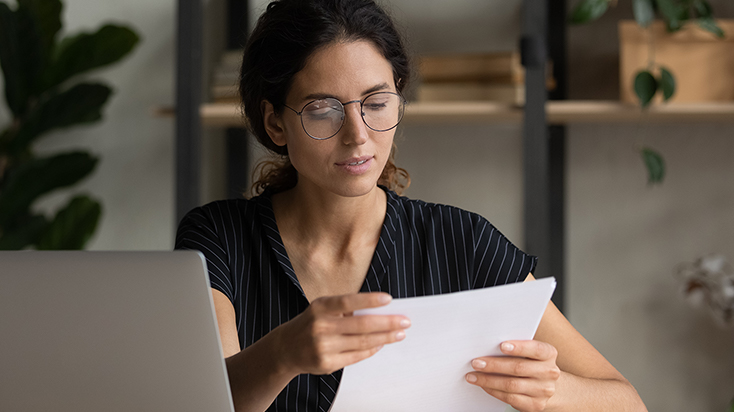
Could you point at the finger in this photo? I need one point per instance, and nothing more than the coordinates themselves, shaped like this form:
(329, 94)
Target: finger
(352, 357)
(519, 367)
(519, 401)
(368, 341)
(349, 303)
(372, 324)
(336, 361)
(531, 349)
(510, 384)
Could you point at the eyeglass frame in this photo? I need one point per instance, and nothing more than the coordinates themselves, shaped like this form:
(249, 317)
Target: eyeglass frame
(344, 112)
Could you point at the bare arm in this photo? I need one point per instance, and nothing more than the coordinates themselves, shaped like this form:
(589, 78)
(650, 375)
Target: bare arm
(254, 375)
(321, 340)
(557, 371)
(588, 381)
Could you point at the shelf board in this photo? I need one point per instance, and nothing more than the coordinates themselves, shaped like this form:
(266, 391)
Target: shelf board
(571, 111)
(558, 112)
(591, 111)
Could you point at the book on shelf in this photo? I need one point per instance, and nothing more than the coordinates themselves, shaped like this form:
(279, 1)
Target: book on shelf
(496, 76)
(505, 93)
(225, 78)
(500, 67)
(225, 94)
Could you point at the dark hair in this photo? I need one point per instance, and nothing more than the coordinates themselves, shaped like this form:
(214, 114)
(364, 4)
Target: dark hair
(285, 36)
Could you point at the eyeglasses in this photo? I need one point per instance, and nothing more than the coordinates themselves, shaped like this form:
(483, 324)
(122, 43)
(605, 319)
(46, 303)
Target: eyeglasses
(323, 118)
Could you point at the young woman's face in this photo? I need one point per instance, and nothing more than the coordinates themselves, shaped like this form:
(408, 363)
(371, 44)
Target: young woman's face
(350, 162)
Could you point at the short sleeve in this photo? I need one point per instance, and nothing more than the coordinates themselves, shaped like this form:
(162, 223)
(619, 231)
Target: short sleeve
(496, 260)
(197, 231)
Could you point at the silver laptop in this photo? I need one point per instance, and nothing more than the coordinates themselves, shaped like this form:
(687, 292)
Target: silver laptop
(109, 331)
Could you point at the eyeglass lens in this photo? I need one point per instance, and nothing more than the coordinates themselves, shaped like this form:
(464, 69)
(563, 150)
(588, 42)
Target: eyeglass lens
(324, 117)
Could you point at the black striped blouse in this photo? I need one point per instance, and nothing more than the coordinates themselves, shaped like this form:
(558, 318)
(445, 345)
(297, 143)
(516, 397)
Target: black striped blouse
(423, 249)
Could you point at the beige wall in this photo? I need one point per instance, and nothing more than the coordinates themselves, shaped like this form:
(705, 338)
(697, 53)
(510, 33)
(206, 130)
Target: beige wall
(624, 242)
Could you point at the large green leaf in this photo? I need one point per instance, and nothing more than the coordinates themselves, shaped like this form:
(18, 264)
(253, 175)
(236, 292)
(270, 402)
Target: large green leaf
(73, 225)
(589, 10)
(26, 42)
(644, 12)
(710, 25)
(81, 104)
(24, 232)
(46, 18)
(4, 139)
(47, 14)
(31, 54)
(667, 83)
(645, 87)
(655, 165)
(88, 51)
(16, 92)
(672, 12)
(703, 9)
(32, 179)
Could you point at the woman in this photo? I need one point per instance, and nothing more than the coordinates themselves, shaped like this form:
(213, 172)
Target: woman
(321, 85)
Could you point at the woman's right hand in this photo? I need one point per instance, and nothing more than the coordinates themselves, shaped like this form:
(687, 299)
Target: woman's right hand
(326, 337)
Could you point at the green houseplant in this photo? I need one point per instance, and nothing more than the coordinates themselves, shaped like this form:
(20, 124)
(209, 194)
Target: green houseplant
(654, 79)
(43, 93)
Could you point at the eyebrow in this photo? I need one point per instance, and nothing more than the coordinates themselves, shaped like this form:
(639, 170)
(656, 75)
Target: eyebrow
(316, 96)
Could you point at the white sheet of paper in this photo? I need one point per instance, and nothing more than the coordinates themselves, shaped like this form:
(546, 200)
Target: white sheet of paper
(425, 372)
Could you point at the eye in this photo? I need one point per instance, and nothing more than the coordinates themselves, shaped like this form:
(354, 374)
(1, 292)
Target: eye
(380, 102)
(321, 109)
(375, 106)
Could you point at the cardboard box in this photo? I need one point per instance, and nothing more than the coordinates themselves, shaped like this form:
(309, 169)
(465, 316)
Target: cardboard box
(702, 64)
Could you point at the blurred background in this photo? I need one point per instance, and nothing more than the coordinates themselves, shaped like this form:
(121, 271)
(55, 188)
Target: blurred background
(624, 238)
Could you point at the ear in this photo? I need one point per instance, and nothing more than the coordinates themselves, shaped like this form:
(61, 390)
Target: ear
(273, 123)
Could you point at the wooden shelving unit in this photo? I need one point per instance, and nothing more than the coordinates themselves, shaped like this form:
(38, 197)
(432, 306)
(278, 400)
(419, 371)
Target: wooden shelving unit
(557, 112)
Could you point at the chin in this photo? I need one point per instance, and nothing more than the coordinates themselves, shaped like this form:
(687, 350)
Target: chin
(342, 185)
(355, 188)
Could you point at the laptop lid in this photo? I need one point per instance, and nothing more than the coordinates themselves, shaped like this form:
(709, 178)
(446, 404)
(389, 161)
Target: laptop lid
(109, 331)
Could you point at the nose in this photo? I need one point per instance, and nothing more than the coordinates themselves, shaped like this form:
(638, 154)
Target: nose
(354, 131)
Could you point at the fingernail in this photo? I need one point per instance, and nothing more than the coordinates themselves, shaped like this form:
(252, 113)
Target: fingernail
(507, 347)
(404, 323)
(400, 335)
(385, 298)
(471, 378)
(478, 364)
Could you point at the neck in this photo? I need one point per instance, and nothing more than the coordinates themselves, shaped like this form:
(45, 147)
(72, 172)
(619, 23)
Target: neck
(327, 219)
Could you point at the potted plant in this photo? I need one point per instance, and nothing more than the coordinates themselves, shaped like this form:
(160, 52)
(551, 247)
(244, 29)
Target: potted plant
(654, 79)
(43, 93)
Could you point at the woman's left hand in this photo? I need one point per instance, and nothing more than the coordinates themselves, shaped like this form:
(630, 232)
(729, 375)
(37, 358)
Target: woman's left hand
(525, 379)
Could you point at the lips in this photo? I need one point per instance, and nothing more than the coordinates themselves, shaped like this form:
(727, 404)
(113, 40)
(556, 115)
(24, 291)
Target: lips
(356, 166)
(354, 161)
